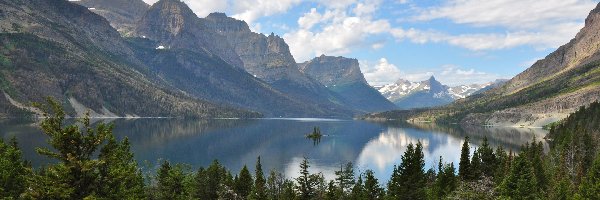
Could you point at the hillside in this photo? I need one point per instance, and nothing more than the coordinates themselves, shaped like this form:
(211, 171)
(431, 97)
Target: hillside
(56, 48)
(122, 14)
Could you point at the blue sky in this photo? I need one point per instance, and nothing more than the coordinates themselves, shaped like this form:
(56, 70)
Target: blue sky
(457, 41)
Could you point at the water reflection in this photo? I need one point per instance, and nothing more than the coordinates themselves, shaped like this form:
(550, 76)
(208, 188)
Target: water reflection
(282, 143)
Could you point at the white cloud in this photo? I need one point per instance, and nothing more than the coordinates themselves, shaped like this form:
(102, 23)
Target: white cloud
(335, 31)
(382, 72)
(541, 24)
(514, 14)
(250, 10)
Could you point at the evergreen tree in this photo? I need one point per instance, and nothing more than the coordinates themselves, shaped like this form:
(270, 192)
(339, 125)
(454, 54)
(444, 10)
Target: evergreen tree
(306, 186)
(408, 180)
(243, 184)
(275, 185)
(120, 176)
(373, 190)
(358, 190)
(464, 171)
(521, 182)
(446, 180)
(488, 159)
(170, 181)
(345, 179)
(590, 186)
(259, 189)
(13, 170)
(475, 168)
(288, 190)
(77, 175)
(332, 191)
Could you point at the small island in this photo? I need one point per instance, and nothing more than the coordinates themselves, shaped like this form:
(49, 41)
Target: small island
(315, 135)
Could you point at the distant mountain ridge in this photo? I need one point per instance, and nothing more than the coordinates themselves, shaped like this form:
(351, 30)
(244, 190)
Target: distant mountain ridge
(429, 93)
(164, 61)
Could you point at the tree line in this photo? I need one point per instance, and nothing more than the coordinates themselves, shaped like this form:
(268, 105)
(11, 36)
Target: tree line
(92, 164)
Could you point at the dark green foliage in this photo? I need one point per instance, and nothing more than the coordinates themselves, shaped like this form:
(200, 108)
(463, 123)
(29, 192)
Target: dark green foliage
(590, 186)
(488, 159)
(170, 181)
(275, 185)
(475, 171)
(372, 189)
(408, 180)
(75, 148)
(13, 170)
(521, 182)
(119, 173)
(464, 166)
(243, 183)
(358, 190)
(446, 180)
(259, 189)
(345, 179)
(306, 185)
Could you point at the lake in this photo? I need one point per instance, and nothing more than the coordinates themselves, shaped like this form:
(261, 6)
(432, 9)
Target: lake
(282, 144)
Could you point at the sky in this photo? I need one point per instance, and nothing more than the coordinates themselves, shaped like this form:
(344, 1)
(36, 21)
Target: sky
(457, 41)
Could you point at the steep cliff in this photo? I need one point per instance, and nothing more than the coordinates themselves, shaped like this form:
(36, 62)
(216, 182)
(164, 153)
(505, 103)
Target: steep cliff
(122, 14)
(343, 76)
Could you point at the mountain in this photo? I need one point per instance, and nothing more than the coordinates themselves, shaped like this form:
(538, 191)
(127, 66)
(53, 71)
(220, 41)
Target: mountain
(546, 92)
(60, 49)
(429, 93)
(343, 76)
(122, 14)
(191, 55)
(269, 59)
(409, 95)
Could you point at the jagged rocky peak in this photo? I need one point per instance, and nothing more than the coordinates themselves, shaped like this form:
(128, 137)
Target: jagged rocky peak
(122, 14)
(166, 16)
(221, 22)
(332, 71)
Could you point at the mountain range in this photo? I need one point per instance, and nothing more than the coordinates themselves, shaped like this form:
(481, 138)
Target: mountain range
(430, 93)
(121, 58)
(548, 91)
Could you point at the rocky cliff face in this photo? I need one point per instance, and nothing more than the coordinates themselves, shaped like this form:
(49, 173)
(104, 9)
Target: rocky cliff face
(173, 24)
(343, 76)
(122, 14)
(332, 71)
(268, 58)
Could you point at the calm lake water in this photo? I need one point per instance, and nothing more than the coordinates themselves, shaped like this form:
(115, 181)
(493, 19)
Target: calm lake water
(281, 143)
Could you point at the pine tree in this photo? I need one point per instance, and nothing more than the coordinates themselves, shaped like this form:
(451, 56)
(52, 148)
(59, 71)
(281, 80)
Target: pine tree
(521, 182)
(446, 181)
(244, 183)
(259, 189)
(13, 170)
(464, 171)
(408, 180)
(475, 168)
(345, 179)
(488, 159)
(590, 186)
(170, 181)
(119, 173)
(274, 185)
(332, 191)
(373, 190)
(358, 190)
(306, 187)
